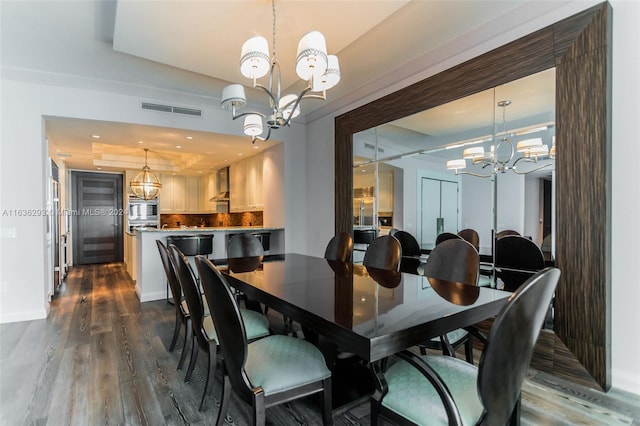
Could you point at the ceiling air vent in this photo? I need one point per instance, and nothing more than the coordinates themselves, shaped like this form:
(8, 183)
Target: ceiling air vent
(173, 109)
(371, 146)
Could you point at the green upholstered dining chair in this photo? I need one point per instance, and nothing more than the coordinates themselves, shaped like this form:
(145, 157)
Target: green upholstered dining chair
(339, 248)
(408, 243)
(203, 327)
(266, 372)
(446, 236)
(182, 310)
(383, 253)
(453, 260)
(442, 390)
(470, 235)
(517, 258)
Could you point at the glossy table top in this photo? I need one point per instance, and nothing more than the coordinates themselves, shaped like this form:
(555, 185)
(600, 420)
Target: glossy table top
(343, 301)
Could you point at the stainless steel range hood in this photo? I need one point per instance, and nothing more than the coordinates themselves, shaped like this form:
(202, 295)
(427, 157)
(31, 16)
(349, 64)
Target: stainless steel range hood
(222, 178)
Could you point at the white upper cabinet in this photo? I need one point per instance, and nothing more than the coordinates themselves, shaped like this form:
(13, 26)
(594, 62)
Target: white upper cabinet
(179, 194)
(245, 184)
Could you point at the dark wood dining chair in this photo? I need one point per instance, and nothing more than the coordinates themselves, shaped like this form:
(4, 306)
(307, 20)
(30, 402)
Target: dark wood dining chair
(517, 258)
(471, 236)
(339, 248)
(455, 261)
(266, 372)
(244, 245)
(203, 327)
(506, 232)
(408, 243)
(182, 310)
(446, 236)
(448, 391)
(383, 253)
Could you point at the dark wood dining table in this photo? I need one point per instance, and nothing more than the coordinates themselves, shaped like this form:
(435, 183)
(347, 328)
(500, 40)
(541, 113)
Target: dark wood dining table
(364, 311)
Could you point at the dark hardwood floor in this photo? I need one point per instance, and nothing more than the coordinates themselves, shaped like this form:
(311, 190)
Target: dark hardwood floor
(101, 358)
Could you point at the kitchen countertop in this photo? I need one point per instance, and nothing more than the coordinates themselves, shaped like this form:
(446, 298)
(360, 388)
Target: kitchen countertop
(198, 229)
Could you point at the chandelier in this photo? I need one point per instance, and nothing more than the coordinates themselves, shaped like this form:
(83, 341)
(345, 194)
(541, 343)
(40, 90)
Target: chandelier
(145, 184)
(313, 65)
(532, 151)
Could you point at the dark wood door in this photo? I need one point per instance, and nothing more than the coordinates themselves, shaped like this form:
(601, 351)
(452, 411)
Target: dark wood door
(98, 218)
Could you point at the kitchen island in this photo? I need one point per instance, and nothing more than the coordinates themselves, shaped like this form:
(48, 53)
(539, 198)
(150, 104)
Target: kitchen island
(143, 260)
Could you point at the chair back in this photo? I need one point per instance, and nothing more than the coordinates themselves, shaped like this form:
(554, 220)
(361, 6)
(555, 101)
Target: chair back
(233, 336)
(507, 232)
(244, 245)
(383, 253)
(408, 243)
(339, 248)
(446, 236)
(191, 292)
(174, 285)
(509, 348)
(471, 236)
(454, 260)
(517, 252)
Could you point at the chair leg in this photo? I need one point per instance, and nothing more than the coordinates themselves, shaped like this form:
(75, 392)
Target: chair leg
(211, 368)
(447, 349)
(423, 349)
(224, 403)
(188, 337)
(514, 419)
(259, 410)
(468, 350)
(176, 331)
(192, 362)
(375, 412)
(325, 403)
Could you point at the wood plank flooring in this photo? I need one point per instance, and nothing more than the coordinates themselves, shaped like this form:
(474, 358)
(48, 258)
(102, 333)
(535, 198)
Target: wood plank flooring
(101, 358)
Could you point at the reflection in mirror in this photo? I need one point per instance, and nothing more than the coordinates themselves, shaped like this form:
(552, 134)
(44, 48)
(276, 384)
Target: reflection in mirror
(402, 167)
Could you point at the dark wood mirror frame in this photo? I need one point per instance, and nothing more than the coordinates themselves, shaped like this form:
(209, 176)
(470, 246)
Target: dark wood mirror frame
(579, 47)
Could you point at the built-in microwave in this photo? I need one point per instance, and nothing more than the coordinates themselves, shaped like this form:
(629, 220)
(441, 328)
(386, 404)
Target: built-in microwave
(140, 210)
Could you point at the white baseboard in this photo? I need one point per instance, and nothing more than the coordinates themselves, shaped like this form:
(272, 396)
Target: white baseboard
(23, 316)
(626, 381)
(149, 297)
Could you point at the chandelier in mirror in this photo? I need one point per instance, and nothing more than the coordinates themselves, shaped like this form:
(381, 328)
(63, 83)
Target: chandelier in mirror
(313, 65)
(145, 184)
(498, 159)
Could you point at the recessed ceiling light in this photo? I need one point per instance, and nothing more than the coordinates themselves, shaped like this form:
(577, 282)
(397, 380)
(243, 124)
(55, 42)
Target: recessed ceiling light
(189, 137)
(95, 136)
(240, 153)
(178, 146)
(140, 141)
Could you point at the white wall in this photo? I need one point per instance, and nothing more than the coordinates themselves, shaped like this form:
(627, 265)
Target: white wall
(23, 271)
(626, 174)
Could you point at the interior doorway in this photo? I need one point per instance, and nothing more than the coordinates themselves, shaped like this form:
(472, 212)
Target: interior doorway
(97, 222)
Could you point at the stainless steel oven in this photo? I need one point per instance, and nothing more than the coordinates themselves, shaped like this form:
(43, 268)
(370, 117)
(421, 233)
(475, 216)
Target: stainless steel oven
(142, 213)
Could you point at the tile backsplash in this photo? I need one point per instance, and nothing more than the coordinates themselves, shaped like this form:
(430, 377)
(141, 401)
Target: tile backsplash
(212, 219)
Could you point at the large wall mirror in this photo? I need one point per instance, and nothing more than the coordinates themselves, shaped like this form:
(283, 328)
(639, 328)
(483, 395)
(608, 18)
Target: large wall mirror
(405, 161)
(571, 59)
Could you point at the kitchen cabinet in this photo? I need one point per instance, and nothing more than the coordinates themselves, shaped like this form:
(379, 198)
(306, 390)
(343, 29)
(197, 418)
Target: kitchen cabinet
(385, 188)
(246, 185)
(179, 194)
(208, 189)
(385, 193)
